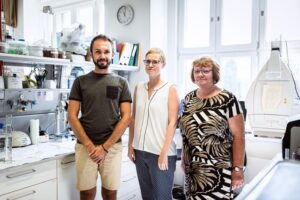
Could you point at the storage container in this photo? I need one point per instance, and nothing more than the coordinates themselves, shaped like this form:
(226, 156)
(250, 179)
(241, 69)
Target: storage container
(17, 47)
(3, 47)
(35, 51)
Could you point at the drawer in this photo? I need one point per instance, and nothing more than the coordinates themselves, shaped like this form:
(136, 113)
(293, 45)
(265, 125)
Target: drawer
(26, 175)
(45, 191)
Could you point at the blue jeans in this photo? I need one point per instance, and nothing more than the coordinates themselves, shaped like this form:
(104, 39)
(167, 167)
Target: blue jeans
(155, 184)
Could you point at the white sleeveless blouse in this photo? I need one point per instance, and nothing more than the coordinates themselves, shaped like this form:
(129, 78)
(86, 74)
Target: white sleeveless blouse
(151, 119)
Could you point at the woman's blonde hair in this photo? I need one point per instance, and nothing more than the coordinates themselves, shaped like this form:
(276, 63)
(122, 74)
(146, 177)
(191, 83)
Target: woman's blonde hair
(207, 62)
(158, 51)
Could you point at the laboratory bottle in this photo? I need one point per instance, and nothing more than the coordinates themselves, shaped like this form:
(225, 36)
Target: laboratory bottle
(8, 138)
(2, 143)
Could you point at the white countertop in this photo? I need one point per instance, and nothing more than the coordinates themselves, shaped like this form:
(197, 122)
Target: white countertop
(248, 187)
(36, 153)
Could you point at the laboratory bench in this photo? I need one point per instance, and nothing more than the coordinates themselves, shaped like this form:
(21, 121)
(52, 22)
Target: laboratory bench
(47, 171)
(278, 180)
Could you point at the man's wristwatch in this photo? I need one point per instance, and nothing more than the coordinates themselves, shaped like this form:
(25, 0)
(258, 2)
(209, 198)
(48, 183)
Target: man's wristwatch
(237, 169)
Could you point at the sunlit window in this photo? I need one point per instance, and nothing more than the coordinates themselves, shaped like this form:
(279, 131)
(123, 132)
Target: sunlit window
(236, 22)
(236, 74)
(282, 19)
(85, 16)
(63, 19)
(197, 24)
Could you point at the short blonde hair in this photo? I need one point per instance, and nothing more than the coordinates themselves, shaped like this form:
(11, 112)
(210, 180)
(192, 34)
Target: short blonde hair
(158, 51)
(207, 62)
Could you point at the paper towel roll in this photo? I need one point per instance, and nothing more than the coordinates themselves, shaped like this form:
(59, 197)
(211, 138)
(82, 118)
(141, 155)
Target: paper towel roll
(34, 130)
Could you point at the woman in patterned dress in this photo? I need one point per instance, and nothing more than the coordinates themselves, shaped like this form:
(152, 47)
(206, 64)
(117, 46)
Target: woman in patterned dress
(212, 128)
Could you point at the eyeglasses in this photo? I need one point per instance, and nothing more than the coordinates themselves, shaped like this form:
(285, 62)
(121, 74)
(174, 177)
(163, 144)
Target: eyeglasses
(148, 62)
(202, 71)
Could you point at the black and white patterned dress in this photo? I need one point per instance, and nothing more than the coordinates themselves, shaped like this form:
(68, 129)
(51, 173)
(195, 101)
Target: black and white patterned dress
(207, 144)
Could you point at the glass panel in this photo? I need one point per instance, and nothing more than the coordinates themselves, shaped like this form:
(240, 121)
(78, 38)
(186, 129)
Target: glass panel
(63, 20)
(235, 75)
(282, 18)
(85, 16)
(189, 85)
(236, 14)
(196, 24)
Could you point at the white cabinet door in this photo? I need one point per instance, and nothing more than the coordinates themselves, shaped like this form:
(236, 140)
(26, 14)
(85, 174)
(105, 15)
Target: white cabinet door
(66, 179)
(45, 191)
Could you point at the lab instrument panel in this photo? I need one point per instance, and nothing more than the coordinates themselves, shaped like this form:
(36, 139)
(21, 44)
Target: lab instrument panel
(31, 101)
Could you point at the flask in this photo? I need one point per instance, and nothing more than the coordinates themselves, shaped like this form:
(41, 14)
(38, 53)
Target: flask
(8, 138)
(2, 144)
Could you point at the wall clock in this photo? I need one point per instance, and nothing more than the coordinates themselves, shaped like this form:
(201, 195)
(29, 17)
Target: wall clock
(125, 14)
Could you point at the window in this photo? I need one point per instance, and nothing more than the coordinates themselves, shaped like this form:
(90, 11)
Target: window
(197, 24)
(281, 20)
(236, 73)
(85, 16)
(236, 22)
(237, 34)
(62, 19)
(84, 12)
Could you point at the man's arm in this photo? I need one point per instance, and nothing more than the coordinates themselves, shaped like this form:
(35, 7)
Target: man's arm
(73, 110)
(121, 125)
(131, 154)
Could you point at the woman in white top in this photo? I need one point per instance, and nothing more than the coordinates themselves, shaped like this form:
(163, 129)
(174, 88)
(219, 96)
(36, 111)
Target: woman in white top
(151, 145)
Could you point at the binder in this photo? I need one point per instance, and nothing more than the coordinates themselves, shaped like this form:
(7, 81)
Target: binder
(126, 53)
(133, 53)
(137, 55)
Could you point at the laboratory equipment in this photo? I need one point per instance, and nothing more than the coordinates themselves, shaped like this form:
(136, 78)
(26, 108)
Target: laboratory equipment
(291, 139)
(20, 139)
(272, 97)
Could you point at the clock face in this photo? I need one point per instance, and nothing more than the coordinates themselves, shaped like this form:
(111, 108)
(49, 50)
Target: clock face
(125, 14)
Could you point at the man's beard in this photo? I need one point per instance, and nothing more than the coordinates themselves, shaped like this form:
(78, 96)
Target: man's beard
(102, 65)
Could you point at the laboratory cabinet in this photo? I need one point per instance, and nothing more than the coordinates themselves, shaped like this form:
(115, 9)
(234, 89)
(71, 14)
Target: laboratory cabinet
(45, 191)
(66, 179)
(34, 180)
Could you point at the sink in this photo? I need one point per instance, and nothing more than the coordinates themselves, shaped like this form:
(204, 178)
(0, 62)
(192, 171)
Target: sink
(282, 181)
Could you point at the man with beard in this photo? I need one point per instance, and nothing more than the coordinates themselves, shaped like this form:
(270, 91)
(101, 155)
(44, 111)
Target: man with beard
(104, 101)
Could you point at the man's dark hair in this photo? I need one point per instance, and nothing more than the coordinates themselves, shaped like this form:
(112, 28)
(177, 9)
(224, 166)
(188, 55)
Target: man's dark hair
(101, 37)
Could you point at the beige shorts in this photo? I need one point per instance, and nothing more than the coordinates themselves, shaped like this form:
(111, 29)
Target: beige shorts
(87, 170)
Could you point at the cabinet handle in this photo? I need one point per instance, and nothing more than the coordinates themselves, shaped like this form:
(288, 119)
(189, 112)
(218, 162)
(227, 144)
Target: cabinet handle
(67, 162)
(21, 173)
(19, 196)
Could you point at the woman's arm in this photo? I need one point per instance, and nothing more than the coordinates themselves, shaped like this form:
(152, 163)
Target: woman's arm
(236, 125)
(173, 108)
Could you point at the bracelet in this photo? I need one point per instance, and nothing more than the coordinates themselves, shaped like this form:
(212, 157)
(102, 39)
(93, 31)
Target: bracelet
(237, 169)
(104, 148)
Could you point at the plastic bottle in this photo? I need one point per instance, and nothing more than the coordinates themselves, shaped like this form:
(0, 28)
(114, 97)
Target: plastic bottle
(2, 144)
